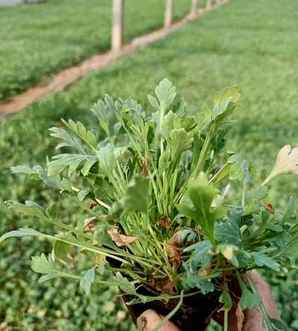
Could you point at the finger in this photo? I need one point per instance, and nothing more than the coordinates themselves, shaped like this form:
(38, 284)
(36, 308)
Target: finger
(149, 320)
(253, 317)
(265, 294)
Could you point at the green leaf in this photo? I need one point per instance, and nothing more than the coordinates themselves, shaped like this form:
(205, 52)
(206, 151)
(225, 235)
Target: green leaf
(23, 169)
(106, 112)
(72, 162)
(294, 325)
(228, 232)
(61, 249)
(50, 181)
(226, 299)
(87, 280)
(277, 325)
(165, 93)
(263, 260)
(43, 265)
(292, 247)
(179, 141)
(249, 299)
(108, 156)
(201, 254)
(225, 104)
(88, 165)
(47, 277)
(193, 280)
(125, 285)
(153, 101)
(23, 232)
(68, 140)
(173, 121)
(30, 208)
(137, 194)
(82, 132)
(83, 194)
(197, 204)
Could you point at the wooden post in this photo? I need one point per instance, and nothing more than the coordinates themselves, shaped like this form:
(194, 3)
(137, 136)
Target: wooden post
(169, 10)
(194, 7)
(118, 25)
(209, 4)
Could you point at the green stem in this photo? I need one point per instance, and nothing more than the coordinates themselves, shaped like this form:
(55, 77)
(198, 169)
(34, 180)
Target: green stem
(226, 319)
(170, 315)
(203, 153)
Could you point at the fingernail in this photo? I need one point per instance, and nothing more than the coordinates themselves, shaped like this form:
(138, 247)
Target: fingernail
(147, 320)
(141, 323)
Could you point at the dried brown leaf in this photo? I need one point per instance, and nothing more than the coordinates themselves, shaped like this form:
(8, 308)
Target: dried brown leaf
(119, 239)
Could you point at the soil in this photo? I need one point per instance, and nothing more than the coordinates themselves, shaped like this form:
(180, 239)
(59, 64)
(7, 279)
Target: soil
(194, 315)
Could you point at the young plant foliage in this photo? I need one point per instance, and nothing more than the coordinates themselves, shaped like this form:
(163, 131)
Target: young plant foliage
(166, 208)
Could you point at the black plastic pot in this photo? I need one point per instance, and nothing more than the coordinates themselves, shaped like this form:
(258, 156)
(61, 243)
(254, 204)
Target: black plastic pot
(194, 315)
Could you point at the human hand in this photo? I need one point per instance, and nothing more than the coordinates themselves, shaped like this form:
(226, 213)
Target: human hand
(252, 320)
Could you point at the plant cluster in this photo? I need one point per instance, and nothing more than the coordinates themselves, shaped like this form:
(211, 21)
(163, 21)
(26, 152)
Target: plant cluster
(162, 202)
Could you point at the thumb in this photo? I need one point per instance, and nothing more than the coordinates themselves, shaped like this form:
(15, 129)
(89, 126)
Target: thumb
(149, 320)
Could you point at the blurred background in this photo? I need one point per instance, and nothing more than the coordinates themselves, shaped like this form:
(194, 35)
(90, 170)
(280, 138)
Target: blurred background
(252, 44)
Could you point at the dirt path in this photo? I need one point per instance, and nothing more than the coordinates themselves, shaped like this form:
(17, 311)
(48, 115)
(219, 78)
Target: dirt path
(68, 76)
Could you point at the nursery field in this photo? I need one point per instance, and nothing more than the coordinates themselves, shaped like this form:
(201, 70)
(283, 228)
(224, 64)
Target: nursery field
(39, 40)
(250, 44)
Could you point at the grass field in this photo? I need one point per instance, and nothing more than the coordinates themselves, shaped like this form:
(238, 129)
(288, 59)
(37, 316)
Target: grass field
(252, 44)
(39, 40)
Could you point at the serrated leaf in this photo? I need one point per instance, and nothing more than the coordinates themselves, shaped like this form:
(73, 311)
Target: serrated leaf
(108, 156)
(166, 93)
(263, 260)
(68, 139)
(201, 254)
(43, 265)
(248, 300)
(225, 104)
(137, 194)
(228, 232)
(87, 280)
(153, 101)
(193, 280)
(50, 181)
(106, 112)
(82, 132)
(72, 162)
(125, 285)
(197, 204)
(179, 141)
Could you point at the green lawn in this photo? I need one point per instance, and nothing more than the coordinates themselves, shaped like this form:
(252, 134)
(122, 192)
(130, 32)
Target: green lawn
(252, 44)
(38, 40)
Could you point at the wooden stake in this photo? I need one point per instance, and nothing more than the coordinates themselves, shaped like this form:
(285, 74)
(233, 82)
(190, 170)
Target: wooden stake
(169, 10)
(118, 25)
(209, 4)
(194, 7)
